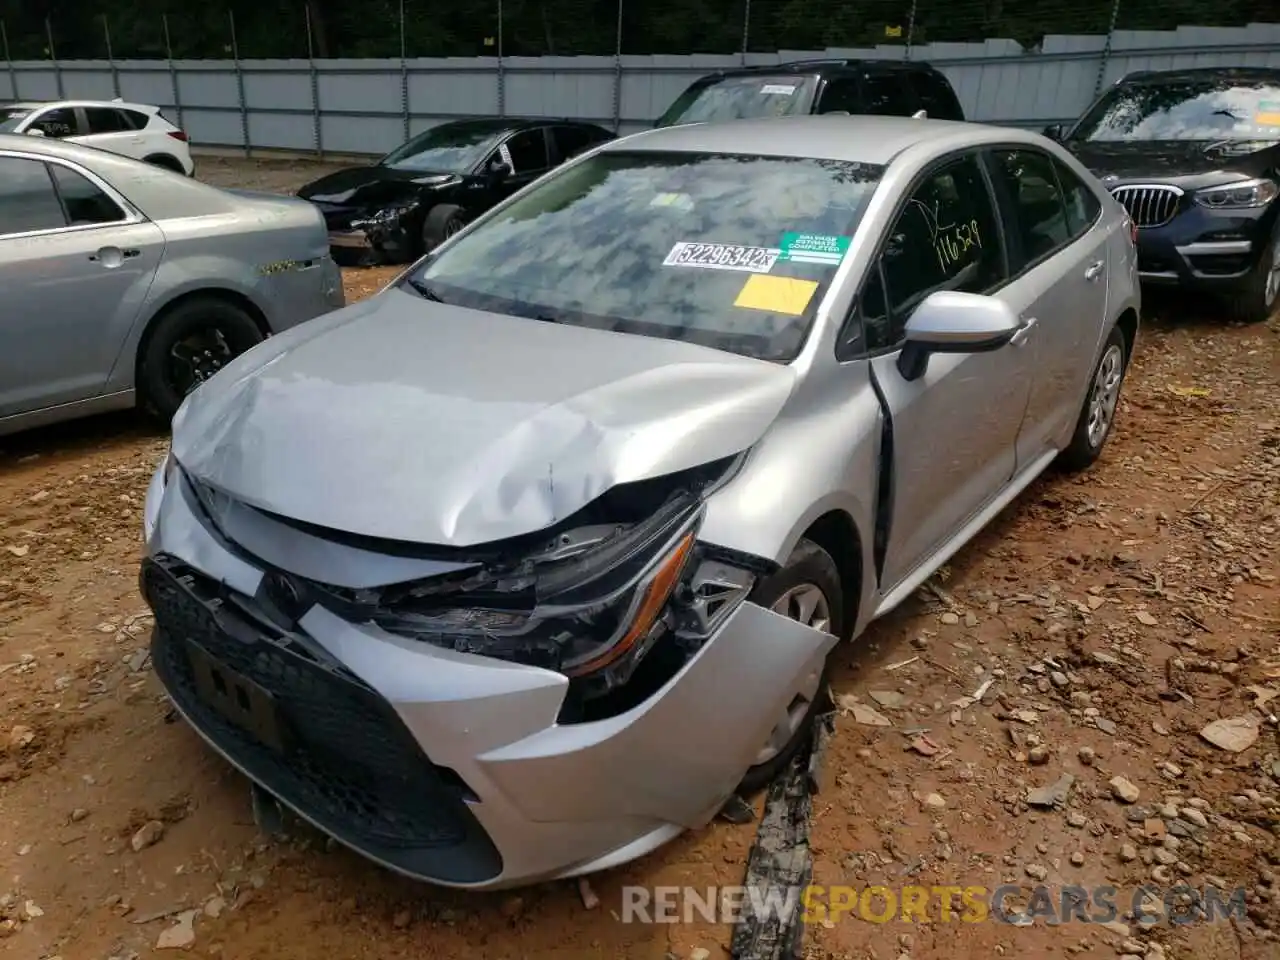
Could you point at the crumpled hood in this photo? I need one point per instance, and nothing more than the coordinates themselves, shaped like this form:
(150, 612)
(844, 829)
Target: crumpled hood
(411, 420)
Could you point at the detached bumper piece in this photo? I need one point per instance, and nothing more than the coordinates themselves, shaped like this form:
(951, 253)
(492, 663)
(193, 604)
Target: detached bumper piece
(308, 731)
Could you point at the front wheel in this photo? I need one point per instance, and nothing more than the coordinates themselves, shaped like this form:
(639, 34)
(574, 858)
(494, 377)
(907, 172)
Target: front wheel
(1257, 299)
(188, 345)
(807, 589)
(442, 222)
(1099, 412)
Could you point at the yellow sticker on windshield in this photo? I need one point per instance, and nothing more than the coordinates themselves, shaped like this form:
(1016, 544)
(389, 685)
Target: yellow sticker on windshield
(776, 294)
(1268, 114)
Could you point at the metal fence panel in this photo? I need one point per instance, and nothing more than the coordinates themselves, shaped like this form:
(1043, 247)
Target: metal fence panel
(366, 106)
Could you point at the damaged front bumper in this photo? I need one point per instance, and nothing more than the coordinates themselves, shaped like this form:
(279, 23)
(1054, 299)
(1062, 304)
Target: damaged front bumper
(381, 235)
(442, 764)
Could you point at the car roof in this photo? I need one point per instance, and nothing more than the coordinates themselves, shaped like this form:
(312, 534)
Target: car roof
(504, 124)
(37, 104)
(855, 139)
(1203, 73)
(822, 65)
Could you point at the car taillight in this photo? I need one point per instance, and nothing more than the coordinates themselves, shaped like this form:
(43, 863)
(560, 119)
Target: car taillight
(178, 135)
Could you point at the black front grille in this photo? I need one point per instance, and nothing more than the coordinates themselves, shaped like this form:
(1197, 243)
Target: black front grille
(1149, 206)
(343, 757)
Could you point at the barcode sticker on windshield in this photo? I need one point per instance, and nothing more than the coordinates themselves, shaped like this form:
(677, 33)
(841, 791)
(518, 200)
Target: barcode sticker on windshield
(722, 256)
(782, 89)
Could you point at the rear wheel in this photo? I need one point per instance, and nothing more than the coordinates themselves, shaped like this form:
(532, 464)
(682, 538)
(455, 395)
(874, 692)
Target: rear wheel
(188, 345)
(806, 589)
(1099, 412)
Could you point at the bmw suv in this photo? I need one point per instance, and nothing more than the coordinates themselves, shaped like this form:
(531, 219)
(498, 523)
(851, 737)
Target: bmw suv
(1194, 155)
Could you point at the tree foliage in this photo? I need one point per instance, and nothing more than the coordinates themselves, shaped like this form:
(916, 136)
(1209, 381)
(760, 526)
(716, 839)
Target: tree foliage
(371, 28)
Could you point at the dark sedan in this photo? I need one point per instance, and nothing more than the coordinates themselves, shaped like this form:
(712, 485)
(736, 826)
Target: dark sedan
(427, 189)
(1195, 157)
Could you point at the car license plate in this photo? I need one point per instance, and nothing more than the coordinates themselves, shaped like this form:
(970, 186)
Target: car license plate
(237, 698)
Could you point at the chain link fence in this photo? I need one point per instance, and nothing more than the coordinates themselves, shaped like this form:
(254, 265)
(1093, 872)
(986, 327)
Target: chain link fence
(323, 29)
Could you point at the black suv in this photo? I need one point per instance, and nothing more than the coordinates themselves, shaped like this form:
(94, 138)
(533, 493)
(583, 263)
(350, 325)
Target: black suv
(879, 87)
(1194, 155)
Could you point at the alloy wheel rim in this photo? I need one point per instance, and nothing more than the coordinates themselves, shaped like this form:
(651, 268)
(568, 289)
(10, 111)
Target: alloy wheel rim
(1273, 275)
(1104, 395)
(197, 357)
(807, 604)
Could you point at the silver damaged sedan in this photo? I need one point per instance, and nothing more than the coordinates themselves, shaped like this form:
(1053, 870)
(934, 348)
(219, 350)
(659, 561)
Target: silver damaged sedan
(124, 283)
(522, 567)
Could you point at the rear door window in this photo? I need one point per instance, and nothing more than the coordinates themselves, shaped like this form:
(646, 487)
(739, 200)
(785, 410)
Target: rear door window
(1039, 213)
(885, 93)
(1083, 205)
(527, 150)
(28, 201)
(840, 95)
(935, 95)
(570, 141)
(106, 120)
(84, 200)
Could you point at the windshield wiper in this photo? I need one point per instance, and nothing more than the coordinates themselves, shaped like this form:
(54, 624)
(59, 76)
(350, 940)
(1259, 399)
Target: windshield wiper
(425, 290)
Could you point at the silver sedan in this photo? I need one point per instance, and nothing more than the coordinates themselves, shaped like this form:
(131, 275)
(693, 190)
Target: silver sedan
(123, 282)
(523, 566)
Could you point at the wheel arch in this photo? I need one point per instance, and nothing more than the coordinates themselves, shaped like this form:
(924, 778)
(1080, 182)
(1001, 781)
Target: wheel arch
(166, 160)
(232, 297)
(836, 532)
(1128, 324)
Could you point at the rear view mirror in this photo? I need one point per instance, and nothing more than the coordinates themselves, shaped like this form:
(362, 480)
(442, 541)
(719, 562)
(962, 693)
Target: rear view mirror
(952, 322)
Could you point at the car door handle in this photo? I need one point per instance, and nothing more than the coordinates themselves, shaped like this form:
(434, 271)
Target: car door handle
(1094, 271)
(1023, 332)
(113, 256)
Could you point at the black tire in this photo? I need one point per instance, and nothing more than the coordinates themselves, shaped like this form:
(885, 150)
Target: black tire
(160, 379)
(1083, 451)
(167, 162)
(1251, 303)
(808, 564)
(441, 223)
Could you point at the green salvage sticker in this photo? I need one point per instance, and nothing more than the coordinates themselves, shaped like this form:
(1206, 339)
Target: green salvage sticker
(814, 248)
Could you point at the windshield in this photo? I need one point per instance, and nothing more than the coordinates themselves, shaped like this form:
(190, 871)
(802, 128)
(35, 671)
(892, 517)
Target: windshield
(1197, 109)
(448, 148)
(739, 98)
(10, 119)
(731, 252)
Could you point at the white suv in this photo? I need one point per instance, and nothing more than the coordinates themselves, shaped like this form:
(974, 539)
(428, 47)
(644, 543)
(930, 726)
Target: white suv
(133, 129)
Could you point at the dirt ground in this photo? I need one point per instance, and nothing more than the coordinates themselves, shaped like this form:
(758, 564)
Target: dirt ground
(1115, 614)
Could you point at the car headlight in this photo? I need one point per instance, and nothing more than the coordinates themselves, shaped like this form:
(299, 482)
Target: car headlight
(589, 602)
(1238, 196)
(385, 216)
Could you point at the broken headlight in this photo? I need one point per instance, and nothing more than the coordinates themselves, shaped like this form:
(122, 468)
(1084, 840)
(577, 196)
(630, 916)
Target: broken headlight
(590, 601)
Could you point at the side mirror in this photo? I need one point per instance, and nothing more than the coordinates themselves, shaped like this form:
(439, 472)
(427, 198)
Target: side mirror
(952, 322)
(1053, 131)
(920, 115)
(35, 132)
(499, 170)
